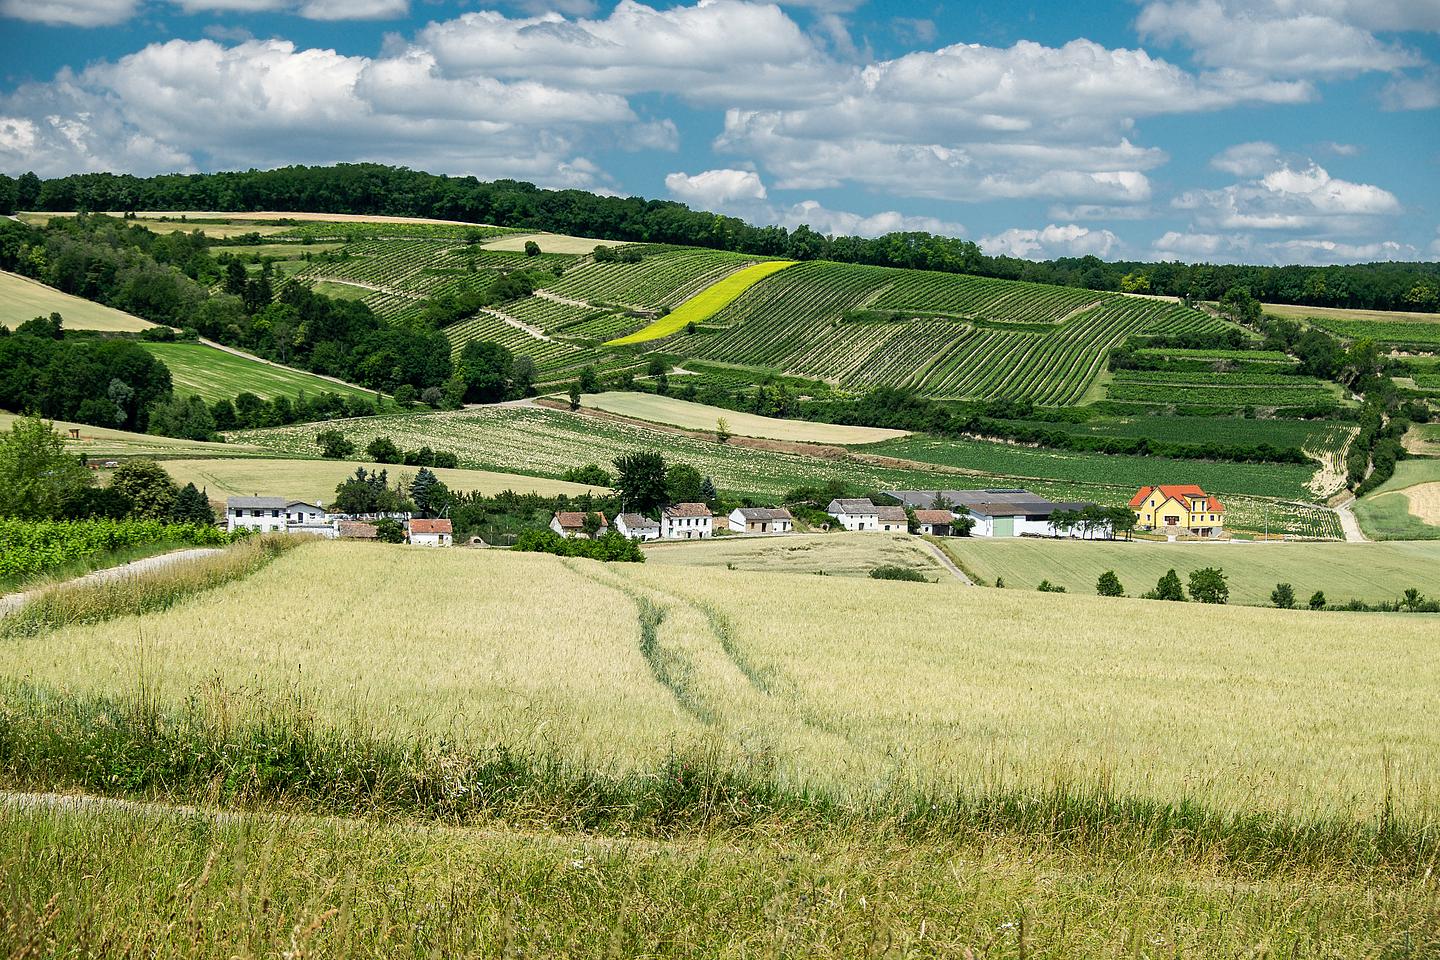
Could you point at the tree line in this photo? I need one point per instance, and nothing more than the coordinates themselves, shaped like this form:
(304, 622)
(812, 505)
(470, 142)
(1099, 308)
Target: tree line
(365, 188)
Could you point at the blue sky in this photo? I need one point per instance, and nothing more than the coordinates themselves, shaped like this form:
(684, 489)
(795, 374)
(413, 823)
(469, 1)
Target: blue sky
(1271, 131)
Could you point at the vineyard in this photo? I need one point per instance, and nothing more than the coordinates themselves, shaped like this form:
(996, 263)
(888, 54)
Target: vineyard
(1221, 390)
(28, 547)
(658, 280)
(705, 304)
(1391, 332)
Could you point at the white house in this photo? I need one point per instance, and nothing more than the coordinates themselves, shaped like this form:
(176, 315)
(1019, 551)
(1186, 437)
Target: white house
(571, 523)
(687, 521)
(430, 533)
(761, 520)
(276, 515)
(855, 514)
(637, 526)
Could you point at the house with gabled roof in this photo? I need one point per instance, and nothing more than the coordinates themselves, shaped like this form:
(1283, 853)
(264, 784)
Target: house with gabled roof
(935, 523)
(854, 514)
(1178, 508)
(430, 533)
(637, 526)
(274, 515)
(761, 520)
(571, 524)
(892, 519)
(687, 521)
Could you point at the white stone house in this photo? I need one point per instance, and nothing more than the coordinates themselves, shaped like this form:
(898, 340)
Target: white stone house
(687, 521)
(761, 520)
(430, 533)
(855, 514)
(275, 515)
(571, 524)
(637, 526)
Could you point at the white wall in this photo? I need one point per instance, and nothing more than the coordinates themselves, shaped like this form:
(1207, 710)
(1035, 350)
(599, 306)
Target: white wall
(857, 521)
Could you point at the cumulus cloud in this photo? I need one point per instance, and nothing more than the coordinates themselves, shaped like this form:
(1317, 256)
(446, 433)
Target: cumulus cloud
(1289, 37)
(72, 13)
(1068, 240)
(1412, 93)
(843, 223)
(1247, 159)
(1288, 198)
(1334, 251)
(1196, 247)
(716, 189)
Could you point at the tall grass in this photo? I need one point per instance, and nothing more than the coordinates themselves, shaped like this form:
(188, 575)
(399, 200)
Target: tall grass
(67, 604)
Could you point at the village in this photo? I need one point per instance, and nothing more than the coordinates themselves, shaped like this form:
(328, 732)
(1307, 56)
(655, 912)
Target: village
(1169, 511)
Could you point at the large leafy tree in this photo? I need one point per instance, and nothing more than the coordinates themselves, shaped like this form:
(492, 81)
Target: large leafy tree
(152, 494)
(38, 479)
(640, 480)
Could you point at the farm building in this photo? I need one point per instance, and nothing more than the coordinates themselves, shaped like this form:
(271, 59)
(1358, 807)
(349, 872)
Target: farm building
(637, 526)
(892, 519)
(761, 520)
(355, 530)
(855, 514)
(571, 523)
(275, 515)
(936, 523)
(999, 512)
(430, 533)
(687, 521)
(1179, 509)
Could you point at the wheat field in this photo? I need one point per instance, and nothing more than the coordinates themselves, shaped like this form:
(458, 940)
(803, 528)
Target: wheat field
(853, 686)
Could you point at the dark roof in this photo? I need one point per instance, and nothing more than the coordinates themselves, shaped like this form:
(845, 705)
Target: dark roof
(637, 521)
(851, 506)
(764, 513)
(688, 510)
(891, 514)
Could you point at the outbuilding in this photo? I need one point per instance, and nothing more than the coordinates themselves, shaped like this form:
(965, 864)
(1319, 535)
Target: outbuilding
(855, 514)
(637, 526)
(430, 533)
(571, 524)
(935, 523)
(761, 520)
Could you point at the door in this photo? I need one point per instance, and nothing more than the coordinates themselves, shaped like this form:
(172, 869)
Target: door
(1004, 526)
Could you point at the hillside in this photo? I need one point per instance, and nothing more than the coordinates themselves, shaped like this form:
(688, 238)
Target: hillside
(23, 299)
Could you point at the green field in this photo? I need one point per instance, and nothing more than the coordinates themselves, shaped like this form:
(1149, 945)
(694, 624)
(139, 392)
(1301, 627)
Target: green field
(316, 479)
(1237, 431)
(1365, 571)
(100, 442)
(705, 304)
(1389, 512)
(215, 374)
(24, 299)
(699, 416)
(822, 554)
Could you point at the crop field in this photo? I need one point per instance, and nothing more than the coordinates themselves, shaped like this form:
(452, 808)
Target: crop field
(215, 374)
(1220, 389)
(316, 480)
(1366, 571)
(1422, 334)
(545, 442)
(942, 335)
(1303, 434)
(698, 416)
(705, 304)
(1405, 507)
(24, 299)
(657, 280)
(821, 554)
(515, 240)
(858, 688)
(1285, 480)
(99, 442)
(1301, 312)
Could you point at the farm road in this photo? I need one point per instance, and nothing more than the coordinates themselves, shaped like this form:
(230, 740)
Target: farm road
(15, 601)
(1348, 523)
(948, 563)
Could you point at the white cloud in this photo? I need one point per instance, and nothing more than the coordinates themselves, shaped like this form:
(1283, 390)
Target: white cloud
(354, 9)
(1332, 251)
(1069, 240)
(73, 13)
(1285, 37)
(1247, 159)
(716, 189)
(1412, 93)
(1196, 247)
(1243, 248)
(1287, 198)
(843, 223)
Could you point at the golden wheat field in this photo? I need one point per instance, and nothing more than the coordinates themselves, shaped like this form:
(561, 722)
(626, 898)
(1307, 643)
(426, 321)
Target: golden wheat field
(851, 684)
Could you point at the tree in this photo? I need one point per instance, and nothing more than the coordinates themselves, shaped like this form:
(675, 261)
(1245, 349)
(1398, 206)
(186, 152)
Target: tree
(640, 481)
(37, 477)
(574, 396)
(683, 483)
(522, 377)
(722, 430)
(152, 494)
(1283, 596)
(532, 249)
(405, 395)
(383, 450)
(1208, 585)
(1109, 585)
(1168, 588)
(484, 371)
(1046, 586)
(389, 530)
(589, 380)
(192, 506)
(1239, 306)
(430, 495)
(1122, 521)
(708, 493)
(1317, 600)
(592, 475)
(184, 417)
(334, 445)
(591, 524)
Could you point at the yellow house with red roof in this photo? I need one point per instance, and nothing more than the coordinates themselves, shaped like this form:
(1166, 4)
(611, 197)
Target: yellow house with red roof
(1179, 508)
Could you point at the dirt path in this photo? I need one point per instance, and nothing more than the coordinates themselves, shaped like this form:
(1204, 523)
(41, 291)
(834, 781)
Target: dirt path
(14, 601)
(531, 329)
(568, 301)
(1348, 523)
(233, 351)
(392, 291)
(949, 564)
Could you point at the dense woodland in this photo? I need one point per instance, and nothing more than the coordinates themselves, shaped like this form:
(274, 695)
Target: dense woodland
(377, 189)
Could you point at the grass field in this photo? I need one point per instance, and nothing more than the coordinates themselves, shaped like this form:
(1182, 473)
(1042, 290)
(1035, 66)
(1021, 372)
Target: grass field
(853, 686)
(1300, 312)
(1403, 507)
(1367, 571)
(317, 479)
(705, 304)
(24, 299)
(98, 442)
(823, 554)
(215, 374)
(549, 243)
(699, 416)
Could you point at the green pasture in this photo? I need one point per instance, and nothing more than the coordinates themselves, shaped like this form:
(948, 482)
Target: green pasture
(214, 374)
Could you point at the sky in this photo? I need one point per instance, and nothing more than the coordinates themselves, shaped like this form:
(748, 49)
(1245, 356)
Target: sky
(1257, 131)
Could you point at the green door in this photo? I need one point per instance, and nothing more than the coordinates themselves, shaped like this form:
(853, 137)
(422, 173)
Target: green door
(1004, 526)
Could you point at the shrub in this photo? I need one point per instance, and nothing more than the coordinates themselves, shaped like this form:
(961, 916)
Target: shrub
(610, 547)
(592, 475)
(891, 572)
(1168, 588)
(1317, 600)
(1109, 585)
(1283, 596)
(1208, 585)
(383, 450)
(333, 445)
(1047, 587)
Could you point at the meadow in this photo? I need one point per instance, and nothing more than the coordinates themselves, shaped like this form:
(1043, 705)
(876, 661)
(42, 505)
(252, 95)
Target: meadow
(698, 416)
(549, 243)
(1405, 507)
(1366, 571)
(1294, 311)
(214, 374)
(24, 299)
(100, 442)
(854, 688)
(316, 480)
(828, 555)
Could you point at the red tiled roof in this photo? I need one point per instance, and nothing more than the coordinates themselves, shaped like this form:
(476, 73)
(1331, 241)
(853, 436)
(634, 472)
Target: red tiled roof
(934, 516)
(354, 529)
(1184, 492)
(688, 510)
(575, 520)
(430, 526)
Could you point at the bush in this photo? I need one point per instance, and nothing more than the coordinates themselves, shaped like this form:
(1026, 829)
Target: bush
(891, 572)
(383, 450)
(1109, 585)
(29, 547)
(1208, 585)
(1168, 588)
(1047, 587)
(1283, 596)
(592, 475)
(333, 445)
(610, 547)
(1317, 600)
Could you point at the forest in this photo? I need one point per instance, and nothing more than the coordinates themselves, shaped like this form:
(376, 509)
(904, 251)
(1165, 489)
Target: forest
(379, 189)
